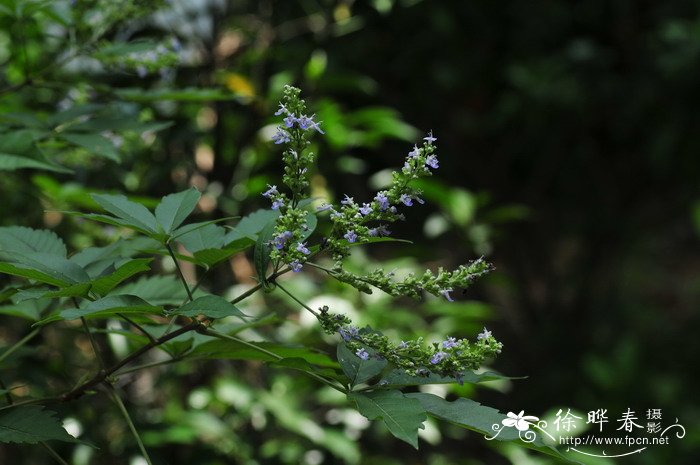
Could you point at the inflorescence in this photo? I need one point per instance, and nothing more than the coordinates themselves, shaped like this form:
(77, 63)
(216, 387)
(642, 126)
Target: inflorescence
(356, 222)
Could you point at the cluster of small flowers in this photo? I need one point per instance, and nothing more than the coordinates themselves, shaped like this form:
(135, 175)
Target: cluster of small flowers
(144, 62)
(291, 226)
(450, 357)
(441, 284)
(355, 222)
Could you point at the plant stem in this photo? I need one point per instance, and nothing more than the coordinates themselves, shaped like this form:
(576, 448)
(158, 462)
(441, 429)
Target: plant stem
(53, 453)
(179, 271)
(132, 427)
(19, 344)
(148, 365)
(216, 334)
(79, 391)
(93, 343)
(39, 400)
(137, 326)
(314, 312)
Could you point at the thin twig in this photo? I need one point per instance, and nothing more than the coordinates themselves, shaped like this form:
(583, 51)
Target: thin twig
(79, 391)
(210, 332)
(93, 343)
(179, 271)
(314, 312)
(19, 344)
(53, 453)
(132, 427)
(148, 365)
(137, 326)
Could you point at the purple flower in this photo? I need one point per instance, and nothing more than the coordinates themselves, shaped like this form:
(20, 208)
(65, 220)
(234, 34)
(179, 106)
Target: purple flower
(379, 231)
(315, 125)
(301, 247)
(281, 239)
(277, 204)
(446, 294)
(348, 332)
(324, 207)
(414, 153)
(281, 136)
(290, 120)
(336, 215)
(485, 334)
(350, 236)
(406, 199)
(430, 139)
(449, 343)
(363, 354)
(270, 192)
(305, 122)
(403, 345)
(281, 110)
(141, 71)
(438, 357)
(347, 200)
(296, 266)
(365, 209)
(382, 200)
(432, 162)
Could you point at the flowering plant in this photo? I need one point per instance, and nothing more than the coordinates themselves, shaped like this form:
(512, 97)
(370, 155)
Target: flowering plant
(372, 371)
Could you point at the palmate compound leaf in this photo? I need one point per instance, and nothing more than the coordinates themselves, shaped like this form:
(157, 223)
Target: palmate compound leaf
(211, 306)
(356, 369)
(31, 424)
(175, 208)
(401, 414)
(479, 418)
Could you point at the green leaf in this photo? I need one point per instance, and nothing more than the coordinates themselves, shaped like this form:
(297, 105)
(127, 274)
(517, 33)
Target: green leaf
(401, 414)
(175, 208)
(46, 268)
(11, 162)
(211, 306)
(31, 424)
(111, 305)
(93, 143)
(29, 309)
(356, 369)
(232, 350)
(479, 418)
(261, 254)
(398, 378)
(209, 236)
(22, 240)
(251, 225)
(157, 290)
(126, 270)
(134, 214)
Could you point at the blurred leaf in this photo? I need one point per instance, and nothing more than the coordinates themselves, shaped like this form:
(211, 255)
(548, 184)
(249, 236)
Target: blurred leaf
(93, 143)
(157, 290)
(181, 95)
(356, 369)
(401, 414)
(300, 364)
(9, 162)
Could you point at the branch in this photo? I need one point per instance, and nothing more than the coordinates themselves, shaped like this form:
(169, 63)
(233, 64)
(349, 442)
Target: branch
(104, 374)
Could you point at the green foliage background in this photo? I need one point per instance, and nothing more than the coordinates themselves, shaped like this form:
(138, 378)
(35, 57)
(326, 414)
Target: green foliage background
(568, 138)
